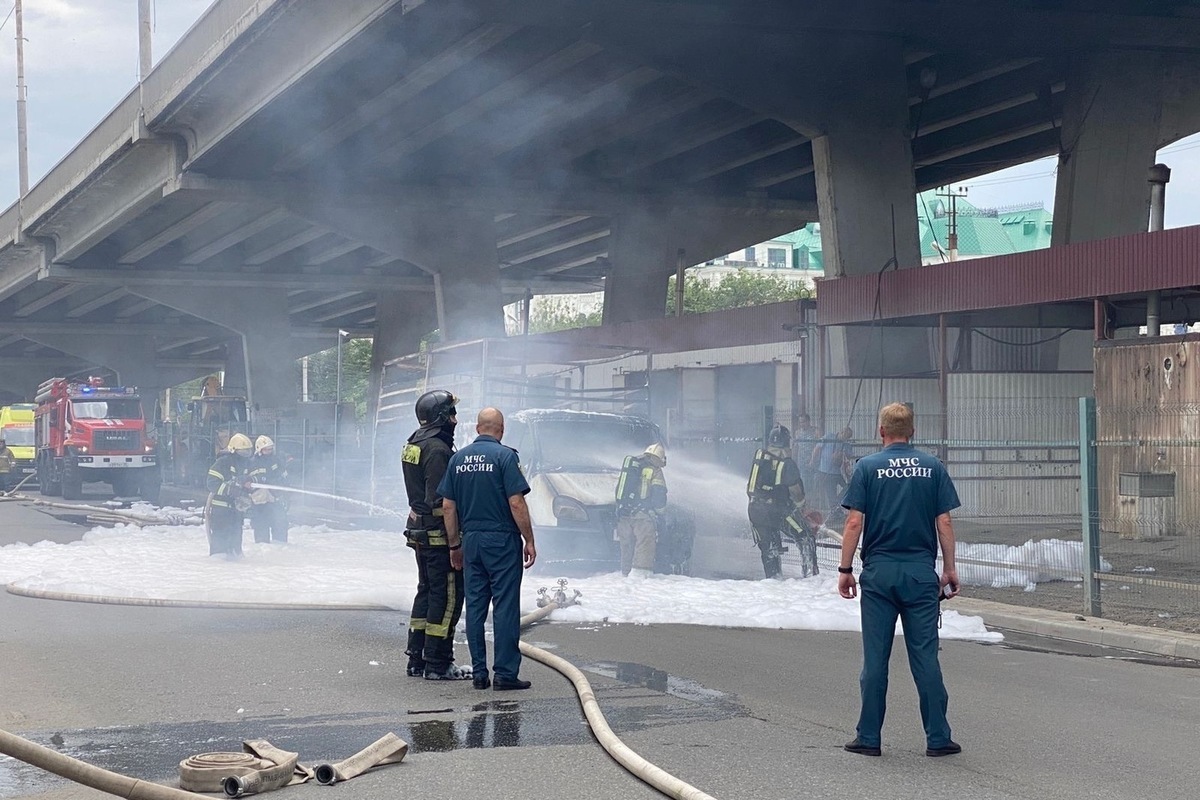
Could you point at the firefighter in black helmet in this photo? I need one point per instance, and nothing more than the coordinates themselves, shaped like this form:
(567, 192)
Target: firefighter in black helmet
(776, 493)
(439, 601)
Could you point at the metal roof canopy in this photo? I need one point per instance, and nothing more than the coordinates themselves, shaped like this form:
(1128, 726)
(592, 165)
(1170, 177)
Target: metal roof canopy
(1053, 287)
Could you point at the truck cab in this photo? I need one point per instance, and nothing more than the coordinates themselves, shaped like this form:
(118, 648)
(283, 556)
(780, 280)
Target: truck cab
(88, 432)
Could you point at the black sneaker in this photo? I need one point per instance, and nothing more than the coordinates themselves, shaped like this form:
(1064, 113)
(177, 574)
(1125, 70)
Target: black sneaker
(863, 749)
(481, 681)
(948, 749)
(450, 673)
(510, 684)
(415, 670)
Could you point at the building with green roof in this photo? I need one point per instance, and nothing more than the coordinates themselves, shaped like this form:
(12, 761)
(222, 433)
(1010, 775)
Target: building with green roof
(982, 232)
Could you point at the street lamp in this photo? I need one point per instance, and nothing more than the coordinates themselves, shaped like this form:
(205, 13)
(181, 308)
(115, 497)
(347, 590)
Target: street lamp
(337, 409)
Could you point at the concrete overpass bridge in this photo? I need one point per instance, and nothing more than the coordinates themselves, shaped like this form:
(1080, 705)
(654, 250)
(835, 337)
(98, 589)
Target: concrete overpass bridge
(293, 168)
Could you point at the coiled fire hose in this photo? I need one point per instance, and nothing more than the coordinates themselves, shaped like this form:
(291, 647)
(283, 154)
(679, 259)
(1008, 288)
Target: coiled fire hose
(261, 768)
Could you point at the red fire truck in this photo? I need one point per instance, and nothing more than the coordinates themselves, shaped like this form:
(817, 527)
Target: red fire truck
(88, 432)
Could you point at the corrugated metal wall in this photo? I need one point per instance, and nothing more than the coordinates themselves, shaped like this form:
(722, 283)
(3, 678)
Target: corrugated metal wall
(1014, 442)
(1148, 421)
(1012, 437)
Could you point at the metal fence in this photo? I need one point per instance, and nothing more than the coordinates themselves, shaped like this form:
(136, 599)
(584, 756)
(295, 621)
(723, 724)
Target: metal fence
(1065, 507)
(1145, 513)
(318, 459)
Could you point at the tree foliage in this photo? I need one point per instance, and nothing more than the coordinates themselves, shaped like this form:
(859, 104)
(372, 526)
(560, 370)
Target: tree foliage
(356, 374)
(700, 295)
(560, 313)
(734, 290)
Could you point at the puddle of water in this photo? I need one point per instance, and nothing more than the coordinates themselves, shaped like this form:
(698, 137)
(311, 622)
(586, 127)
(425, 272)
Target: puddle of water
(153, 752)
(660, 681)
(1032, 643)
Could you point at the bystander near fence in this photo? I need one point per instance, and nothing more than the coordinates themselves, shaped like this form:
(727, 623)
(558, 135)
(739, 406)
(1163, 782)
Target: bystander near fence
(1068, 506)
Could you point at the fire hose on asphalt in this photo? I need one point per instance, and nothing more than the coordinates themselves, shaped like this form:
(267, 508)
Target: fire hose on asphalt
(237, 785)
(264, 767)
(261, 768)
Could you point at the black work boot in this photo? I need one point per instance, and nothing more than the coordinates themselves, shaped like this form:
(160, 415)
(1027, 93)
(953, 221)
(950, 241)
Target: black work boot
(948, 749)
(416, 660)
(861, 749)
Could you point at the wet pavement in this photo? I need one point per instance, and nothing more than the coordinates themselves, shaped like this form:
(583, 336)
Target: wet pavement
(1033, 643)
(739, 713)
(153, 752)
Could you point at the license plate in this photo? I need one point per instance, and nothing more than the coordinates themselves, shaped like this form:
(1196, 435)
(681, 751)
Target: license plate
(28, 470)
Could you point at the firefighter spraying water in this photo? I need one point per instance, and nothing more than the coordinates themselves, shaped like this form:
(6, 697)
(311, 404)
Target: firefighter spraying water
(776, 507)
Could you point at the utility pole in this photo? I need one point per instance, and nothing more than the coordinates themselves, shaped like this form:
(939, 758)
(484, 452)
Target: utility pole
(22, 131)
(145, 31)
(952, 221)
(680, 268)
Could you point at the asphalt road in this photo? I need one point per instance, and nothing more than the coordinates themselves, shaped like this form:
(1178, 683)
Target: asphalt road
(738, 713)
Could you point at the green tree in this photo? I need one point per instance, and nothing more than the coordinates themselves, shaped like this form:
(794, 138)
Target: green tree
(559, 313)
(734, 290)
(356, 374)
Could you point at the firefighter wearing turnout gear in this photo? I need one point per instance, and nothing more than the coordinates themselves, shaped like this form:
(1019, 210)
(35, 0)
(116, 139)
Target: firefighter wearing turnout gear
(228, 497)
(641, 494)
(268, 514)
(439, 602)
(776, 493)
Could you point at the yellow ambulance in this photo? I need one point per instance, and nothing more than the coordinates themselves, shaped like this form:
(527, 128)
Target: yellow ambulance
(16, 427)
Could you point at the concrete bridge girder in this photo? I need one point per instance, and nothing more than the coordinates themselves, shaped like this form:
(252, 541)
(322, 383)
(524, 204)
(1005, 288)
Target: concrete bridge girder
(1121, 108)
(134, 359)
(142, 172)
(260, 318)
(644, 253)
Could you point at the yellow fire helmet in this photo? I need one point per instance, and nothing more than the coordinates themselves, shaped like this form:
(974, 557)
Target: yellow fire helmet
(263, 443)
(657, 451)
(240, 443)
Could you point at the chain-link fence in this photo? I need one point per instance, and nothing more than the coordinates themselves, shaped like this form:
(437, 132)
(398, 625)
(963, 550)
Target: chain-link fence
(318, 459)
(1147, 512)
(1025, 533)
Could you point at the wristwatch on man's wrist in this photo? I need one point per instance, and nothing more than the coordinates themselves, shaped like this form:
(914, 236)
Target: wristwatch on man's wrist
(846, 570)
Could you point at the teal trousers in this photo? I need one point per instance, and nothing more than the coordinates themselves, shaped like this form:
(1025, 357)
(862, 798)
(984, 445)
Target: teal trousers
(907, 590)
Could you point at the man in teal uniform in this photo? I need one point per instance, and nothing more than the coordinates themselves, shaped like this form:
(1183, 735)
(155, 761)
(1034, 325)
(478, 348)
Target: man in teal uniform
(904, 497)
(491, 538)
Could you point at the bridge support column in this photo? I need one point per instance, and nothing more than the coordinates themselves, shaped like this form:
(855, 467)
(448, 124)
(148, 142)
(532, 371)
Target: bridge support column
(644, 253)
(866, 195)
(401, 320)
(1110, 134)
(466, 269)
(260, 317)
(18, 384)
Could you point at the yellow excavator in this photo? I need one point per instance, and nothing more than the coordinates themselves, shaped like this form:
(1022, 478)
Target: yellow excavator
(202, 431)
